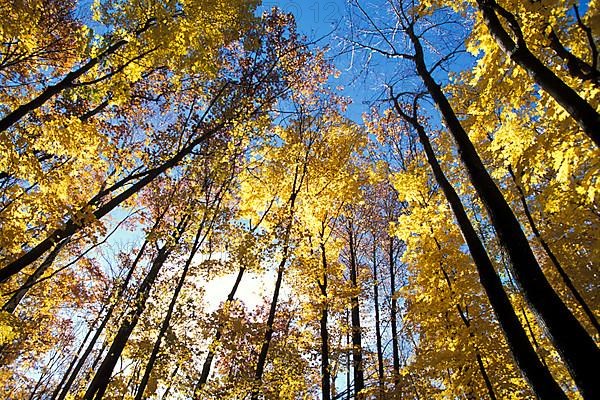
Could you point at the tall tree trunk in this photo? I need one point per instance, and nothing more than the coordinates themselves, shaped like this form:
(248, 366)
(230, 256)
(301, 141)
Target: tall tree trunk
(16, 298)
(325, 369)
(538, 376)
(101, 209)
(67, 82)
(90, 347)
(264, 350)
(357, 358)
(574, 344)
(393, 315)
(578, 108)
(467, 322)
(167, 320)
(348, 383)
(211, 352)
(378, 343)
(98, 385)
(262, 357)
(77, 355)
(557, 265)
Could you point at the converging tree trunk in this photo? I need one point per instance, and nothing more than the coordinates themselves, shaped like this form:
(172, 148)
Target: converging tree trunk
(577, 107)
(538, 376)
(357, 357)
(574, 344)
(99, 383)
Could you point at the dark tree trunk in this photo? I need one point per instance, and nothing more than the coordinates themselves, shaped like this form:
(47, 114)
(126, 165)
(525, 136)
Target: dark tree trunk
(264, 350)
(378, 343)
(118, 296)
(166, 323)
(538, 376)
(78, 355)
(325, 370)
(357, 359)
(574, 344)
(557, 265)
(211, 352)
(16, 298)
(98, 385)
(51, 91)
(580, 110)
(393, 316)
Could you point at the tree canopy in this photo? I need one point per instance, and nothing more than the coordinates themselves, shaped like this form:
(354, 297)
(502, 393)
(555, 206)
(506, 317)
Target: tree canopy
(199, 201)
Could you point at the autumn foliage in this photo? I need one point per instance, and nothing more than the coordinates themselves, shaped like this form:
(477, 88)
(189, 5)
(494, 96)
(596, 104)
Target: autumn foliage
(189, 211)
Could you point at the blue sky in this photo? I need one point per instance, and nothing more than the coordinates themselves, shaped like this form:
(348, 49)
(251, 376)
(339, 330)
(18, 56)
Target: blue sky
(326, 23)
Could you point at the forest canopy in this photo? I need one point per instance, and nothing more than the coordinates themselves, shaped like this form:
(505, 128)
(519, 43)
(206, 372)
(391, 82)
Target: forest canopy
(200, 199)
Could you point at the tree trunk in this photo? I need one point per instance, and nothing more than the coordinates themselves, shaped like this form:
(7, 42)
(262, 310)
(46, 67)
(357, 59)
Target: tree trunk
(557, 265)
(102, 377)
(542, 382)
(325, 370)
(77, 356)
(393, 316)
(357, 359)
(262, 356)
(211, 352)
(167, 320)
(378, 343)
(16, 298)
(578, 108)
(574, 344)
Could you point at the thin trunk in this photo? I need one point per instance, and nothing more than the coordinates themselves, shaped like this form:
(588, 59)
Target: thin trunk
(357, 358)
(262, 356)
(325, 370)
(171, 380)
(542, 382)
(393, 316)
(16, 298)
(206, 366)
(557, 265)
(99, 383)
(77, 356)
(378, 343)
(122, 287)
(167, 320)
(574, 344)
(578, 108)
(467, 322)
(348, 383)
(71, 226)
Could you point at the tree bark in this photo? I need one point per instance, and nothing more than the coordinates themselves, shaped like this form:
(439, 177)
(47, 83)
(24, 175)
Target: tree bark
(538, 376)
(325, 369)
(99, 383)
(167, 319)
(578, 108)
(378, 342)
(393, 316)
(16, 298)
(574, 344)
(557, 265)
(357, 358)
